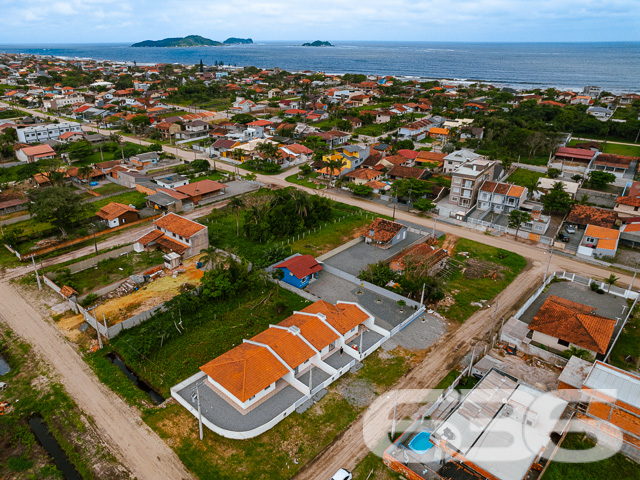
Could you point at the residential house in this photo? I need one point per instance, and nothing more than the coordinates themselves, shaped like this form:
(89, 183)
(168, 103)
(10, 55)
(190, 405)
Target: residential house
(415, 131)
(581, 100)
(385, 233)
(115, 214)
(441, 133)
(202, 190)
(168, 200)
(427, 259)
(601, 113)
(194, 129)
(583, 215)
(401, 172)
(577, 155)
(608, 403)
(128, 178)
(299, 270)
(431, 160)
(33, 154)
(43, 132)
(378, 186)
(467, 179)
(410, 155)
(70, 137)
(224, 147)
(333, 138)
(560, 324)
(501, 197)
(627, 207)
(295, 153)
(599, 241)
(175, 234)
(282, 355)
(620, 165)
(362, 176)
(354, 155)
(145, 159)
(167, 129)
(458, 158)
(171, 181)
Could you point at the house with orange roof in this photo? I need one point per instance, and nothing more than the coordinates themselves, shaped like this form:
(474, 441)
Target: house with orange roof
(599, 241)
(385, 233)
(299, 270)
(115, 214)
(363, 175)
(283, 355)
(175, 234)
(501, 197)
(33, 154)
(560, 324)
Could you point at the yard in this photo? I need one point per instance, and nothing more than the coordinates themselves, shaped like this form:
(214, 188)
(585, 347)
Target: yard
(110, 271)
(373, 130)
(135, 198)
(626, 351)
(488, 271)
(617, 149)
(524, 177)
(109, 188)
(616, 465)
(305, 182)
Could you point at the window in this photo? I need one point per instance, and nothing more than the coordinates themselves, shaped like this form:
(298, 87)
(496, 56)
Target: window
(267, 388)
(564, 343)
(332, 346)
(538, 228)
(252, 398)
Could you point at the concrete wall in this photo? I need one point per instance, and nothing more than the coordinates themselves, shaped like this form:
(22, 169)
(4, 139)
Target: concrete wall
(600, 199)
(93, 261)
(340, 249)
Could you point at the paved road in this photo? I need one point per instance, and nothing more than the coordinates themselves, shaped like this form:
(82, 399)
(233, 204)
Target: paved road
(133, 442)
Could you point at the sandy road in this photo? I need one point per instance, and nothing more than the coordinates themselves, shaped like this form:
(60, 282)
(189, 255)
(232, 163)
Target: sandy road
(133, 442)
(373, 426)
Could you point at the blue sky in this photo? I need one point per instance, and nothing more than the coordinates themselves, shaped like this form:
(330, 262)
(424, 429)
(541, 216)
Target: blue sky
(96, 21)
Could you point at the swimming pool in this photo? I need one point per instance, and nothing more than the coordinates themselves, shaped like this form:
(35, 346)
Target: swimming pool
(420, 443)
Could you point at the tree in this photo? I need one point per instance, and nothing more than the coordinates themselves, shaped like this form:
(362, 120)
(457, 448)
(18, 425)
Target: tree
(243, 118)
(85, 171)
(335, 165)
(140, 122)
(305, 169)
(201, 165)
(599, 179)
(574, 351)
(423, 204)
(360, 189)
(80, 149)
(553, 172)
(557, 200)
(517, 218)
(448, 147)
(236, 203)
(612, 280)
(58, 205)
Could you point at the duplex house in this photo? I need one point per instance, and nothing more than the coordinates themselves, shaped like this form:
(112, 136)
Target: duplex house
(299, 270)
(466, 181)
(175, 234)
(115, 214)
(278, 357)
(561, 323)
(501, 197)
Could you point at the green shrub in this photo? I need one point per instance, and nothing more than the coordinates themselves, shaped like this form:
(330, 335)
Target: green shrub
(19, 464)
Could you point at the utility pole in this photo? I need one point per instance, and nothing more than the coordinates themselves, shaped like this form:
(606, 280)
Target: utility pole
(33, 257)
(393, 425)
(199, 410)
(435, 221)
(546, 272)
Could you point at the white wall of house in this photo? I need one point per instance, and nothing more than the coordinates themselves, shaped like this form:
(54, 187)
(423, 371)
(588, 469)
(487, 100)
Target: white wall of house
(250, 402)
(555, 343)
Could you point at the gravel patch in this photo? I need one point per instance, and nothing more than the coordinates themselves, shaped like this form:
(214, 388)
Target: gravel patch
(358, 393)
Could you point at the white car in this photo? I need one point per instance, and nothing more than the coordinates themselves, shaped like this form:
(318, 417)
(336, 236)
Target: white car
(342, 474)
(570, 228)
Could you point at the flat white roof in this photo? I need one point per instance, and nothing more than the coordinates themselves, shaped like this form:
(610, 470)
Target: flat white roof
(615, 383)
(502, 425)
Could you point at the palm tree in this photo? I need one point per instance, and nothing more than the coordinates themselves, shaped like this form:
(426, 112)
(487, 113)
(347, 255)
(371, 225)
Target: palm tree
(301, 201)
(612, 280)
(334, 165)
(236, 203)
(85, 171)
(211, 256)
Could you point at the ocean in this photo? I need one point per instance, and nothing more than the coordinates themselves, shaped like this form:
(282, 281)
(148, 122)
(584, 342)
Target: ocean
(613, 66)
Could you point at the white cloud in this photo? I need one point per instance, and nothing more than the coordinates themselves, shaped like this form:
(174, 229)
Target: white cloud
(429, 20)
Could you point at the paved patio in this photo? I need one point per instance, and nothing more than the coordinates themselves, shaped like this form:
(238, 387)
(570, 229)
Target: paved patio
(219, 412)
(368, 338)
(317, 378)
(338, 361)
(358, 257)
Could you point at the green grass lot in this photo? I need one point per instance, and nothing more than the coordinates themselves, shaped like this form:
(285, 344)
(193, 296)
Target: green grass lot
(616, 149)
(210, 332)
(305, 182)
(628, 344)
(278, 453)
(215, 176)
(470, 289)
(95, 157)
(373, 130)
(32, 392)
(112, 270)
(110, 188)
(617, 465)
(222, 233)
(524, 177)
(138, 199)
(539, 160)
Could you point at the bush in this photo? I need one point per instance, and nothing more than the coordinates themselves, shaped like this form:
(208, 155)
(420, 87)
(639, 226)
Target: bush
(19, 464)
(89, 300)
(594, 286)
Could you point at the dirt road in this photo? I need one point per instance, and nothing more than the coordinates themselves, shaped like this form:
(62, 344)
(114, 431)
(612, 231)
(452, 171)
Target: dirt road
(373, 426)
(132, 441)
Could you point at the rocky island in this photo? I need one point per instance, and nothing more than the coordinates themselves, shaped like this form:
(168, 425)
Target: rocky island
(317, 43)
(192, 41)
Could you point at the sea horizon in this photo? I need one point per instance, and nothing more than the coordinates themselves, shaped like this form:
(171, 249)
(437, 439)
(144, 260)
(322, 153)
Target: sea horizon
(615, 66)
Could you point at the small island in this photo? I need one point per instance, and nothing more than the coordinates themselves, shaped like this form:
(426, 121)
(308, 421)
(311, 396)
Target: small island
(190, 41)
(238, 41)
(317, 43)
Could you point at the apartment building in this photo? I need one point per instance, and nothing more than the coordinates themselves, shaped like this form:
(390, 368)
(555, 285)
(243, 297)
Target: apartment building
(44, 132)
(467, 180)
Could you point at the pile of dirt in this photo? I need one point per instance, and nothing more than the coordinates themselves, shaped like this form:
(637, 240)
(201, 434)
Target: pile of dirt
(476, 268)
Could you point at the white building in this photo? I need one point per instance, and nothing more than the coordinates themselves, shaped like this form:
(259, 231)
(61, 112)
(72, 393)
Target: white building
(42, 133)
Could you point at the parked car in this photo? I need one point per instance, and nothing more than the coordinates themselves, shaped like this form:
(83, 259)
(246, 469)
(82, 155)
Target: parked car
(342, 474)
(570, 228)
(563, 237)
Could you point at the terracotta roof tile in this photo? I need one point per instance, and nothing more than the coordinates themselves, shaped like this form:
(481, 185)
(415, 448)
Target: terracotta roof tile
(585, 215)
(171, 244)
(342, 317)
(301, 265)
(574, 323)
(631, 201)
(382, 230)
(152, 236)
(312, 328)
(289, 347)
(202, 187)
(406, 172)
(179, 225)
(113, 210)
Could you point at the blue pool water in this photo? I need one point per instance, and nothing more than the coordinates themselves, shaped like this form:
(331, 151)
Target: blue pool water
(420, 443)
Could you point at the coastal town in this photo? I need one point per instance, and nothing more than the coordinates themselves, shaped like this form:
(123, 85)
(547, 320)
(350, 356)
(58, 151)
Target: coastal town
(233, 272)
